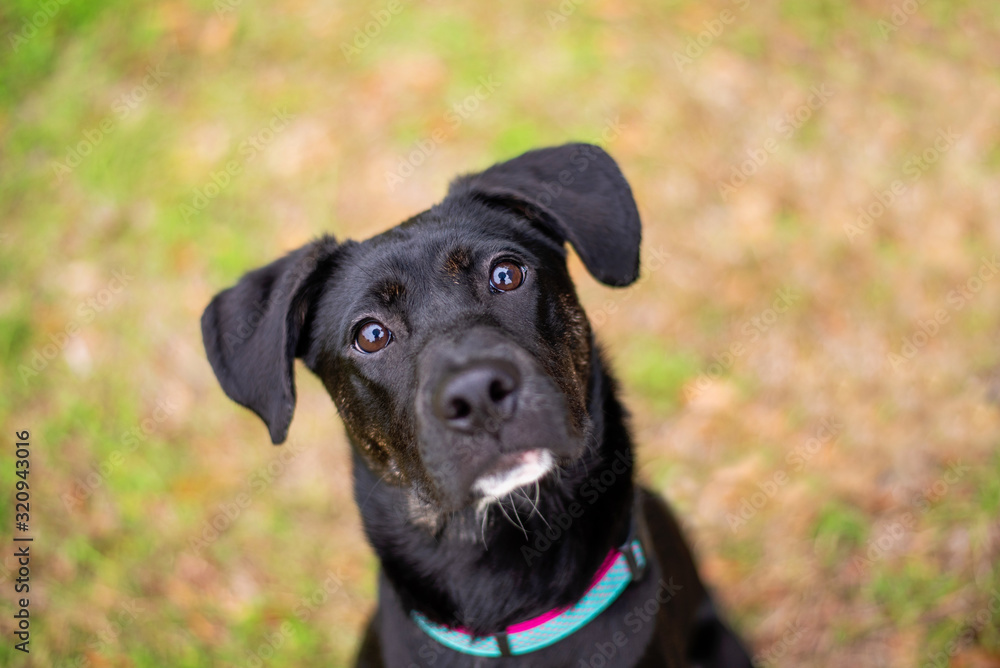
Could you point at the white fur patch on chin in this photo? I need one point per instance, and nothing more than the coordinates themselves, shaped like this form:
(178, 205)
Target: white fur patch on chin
(532, 466)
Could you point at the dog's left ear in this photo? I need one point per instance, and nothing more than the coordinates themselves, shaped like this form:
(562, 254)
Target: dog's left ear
(254, 331)
(578, 193)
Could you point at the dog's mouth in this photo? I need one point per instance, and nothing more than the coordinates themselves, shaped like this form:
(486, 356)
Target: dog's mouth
(513, 471)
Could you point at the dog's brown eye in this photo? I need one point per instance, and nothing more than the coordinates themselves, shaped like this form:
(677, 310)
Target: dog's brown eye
(506, 276)
(372, 337)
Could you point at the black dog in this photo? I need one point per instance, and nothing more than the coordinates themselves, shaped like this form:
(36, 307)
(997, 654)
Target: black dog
(492, 462)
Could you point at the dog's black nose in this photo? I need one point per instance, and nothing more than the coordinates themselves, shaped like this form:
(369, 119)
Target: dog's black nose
(480, 396)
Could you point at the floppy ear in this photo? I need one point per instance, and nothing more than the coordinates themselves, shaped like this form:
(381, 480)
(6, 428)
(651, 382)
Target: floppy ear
(254, 330)
(578, 193)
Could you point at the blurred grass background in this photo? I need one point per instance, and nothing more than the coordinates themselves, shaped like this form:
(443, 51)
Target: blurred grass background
(866, 546)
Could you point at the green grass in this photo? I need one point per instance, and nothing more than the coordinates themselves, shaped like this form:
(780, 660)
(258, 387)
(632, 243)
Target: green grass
(657, 372)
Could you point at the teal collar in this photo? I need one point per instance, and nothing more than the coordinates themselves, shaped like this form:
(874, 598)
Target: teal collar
(622, 566)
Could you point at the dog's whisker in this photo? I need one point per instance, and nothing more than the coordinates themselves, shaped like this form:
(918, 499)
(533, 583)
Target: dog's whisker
(504, 511)
(372, 490)
(513, 507)
(517, 515)
(538, 498)
(558, 469)
(534, 505)
(524, 495)
(486, 514)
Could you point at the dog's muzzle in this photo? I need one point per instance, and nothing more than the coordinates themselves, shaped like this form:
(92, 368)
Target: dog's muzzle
(489, 419)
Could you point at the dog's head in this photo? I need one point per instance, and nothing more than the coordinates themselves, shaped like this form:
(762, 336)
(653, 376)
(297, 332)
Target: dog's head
(453, 345)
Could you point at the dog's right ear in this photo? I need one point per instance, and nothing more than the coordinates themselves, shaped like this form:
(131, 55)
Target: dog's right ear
(254, 331)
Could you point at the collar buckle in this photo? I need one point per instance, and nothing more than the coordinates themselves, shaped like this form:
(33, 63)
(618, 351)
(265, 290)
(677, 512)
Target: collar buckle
(503, 643)
(635, 568)
(634, 541)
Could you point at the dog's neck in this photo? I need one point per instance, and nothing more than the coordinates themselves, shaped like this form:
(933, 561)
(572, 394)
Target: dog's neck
(484, 573)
